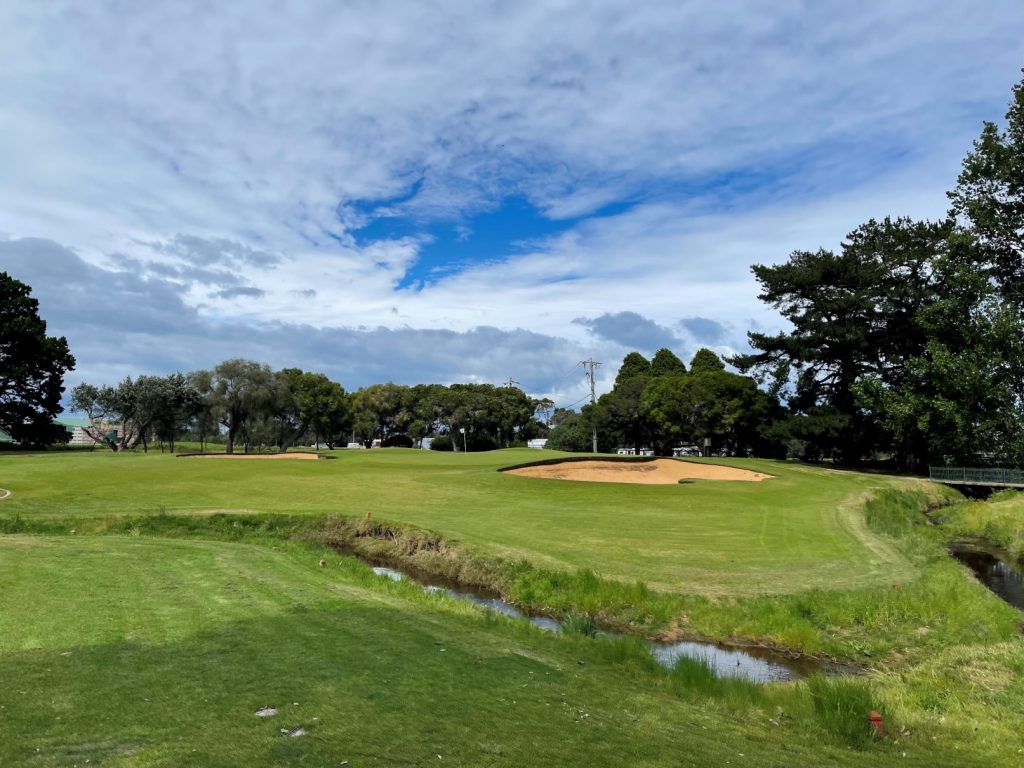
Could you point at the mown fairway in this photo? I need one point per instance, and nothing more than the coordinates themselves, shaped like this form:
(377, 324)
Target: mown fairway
(798, 530)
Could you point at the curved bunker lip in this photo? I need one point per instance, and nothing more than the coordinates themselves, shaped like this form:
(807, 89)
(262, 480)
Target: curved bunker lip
(991, 566)
(642, 471)
(754, 663)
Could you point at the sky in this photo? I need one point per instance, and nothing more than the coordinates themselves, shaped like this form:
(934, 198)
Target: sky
(452, 191)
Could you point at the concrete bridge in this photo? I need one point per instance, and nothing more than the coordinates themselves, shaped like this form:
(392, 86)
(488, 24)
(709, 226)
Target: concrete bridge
(1003, 478)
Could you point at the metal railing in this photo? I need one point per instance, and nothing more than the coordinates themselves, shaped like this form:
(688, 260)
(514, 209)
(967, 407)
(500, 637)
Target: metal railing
(977, 476)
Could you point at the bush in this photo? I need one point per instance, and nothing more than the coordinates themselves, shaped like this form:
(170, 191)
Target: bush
(441, 443)
(397, 441)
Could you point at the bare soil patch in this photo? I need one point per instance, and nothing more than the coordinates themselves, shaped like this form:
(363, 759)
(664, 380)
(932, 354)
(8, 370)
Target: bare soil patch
(299, 456)
(657, 472)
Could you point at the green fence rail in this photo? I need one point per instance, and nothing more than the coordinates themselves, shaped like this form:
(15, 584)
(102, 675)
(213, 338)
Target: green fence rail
(977, 476)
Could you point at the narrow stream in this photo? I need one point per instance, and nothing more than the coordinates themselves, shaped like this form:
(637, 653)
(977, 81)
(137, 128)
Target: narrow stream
(991, 568)
(758, 665)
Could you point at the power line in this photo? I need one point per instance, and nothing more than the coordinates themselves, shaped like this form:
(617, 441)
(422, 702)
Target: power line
(574, 404)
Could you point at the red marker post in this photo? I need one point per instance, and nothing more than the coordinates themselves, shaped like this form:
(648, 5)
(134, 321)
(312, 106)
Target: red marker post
(877, 727)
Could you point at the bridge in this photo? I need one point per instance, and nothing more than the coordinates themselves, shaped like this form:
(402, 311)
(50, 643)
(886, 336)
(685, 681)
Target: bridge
(1003, 478)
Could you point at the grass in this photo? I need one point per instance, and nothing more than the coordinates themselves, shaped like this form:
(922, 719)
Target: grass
(800, 529)
(897, 599)
(999, 520)
(149, 605)
(152, 652)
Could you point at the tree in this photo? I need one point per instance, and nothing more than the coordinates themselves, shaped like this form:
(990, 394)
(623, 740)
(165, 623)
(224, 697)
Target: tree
(380, 411)
(665, 363)
(510, 410)
(571, 431)
(180, 402)
(121, 417)
(543, 410)
(238, 390)
(326, 407)
(305, 402)
(633, 364)
(989, 198)
(854, 314)
(32, 368)
(706, 360)
(206, 422)
(619, 414)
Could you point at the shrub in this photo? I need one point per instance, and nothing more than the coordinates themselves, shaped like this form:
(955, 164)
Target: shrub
(397, 441)
(441, 443)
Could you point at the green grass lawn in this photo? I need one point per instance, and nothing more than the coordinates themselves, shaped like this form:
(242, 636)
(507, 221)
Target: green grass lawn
(149, 652)
(800, 529)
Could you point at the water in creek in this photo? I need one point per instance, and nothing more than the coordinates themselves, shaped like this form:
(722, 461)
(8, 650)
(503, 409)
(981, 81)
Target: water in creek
(755, 664)
(992, 569)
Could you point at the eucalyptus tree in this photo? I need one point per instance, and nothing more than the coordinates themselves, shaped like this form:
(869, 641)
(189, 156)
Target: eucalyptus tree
(236, 391)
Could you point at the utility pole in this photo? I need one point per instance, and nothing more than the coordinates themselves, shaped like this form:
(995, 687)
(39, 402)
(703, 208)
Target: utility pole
(589, 366)
(511, 382)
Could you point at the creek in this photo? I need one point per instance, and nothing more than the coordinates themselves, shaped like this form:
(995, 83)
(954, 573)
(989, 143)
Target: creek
(759, 665)
(992, 568)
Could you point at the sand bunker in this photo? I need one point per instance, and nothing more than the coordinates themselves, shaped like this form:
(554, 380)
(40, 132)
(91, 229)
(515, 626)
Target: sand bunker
(306, 456)
(657, 472)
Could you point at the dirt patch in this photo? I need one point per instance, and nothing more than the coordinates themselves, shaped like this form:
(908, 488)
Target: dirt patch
(305, 456)
(657, 472)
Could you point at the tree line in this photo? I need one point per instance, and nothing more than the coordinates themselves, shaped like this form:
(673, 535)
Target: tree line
(661, 405)
(246, 404)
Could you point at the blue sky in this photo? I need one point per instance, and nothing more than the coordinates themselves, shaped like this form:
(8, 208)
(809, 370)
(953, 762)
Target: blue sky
(453, 191)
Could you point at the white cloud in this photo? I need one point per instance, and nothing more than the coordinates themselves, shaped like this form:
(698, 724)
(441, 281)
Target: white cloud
(220, 155)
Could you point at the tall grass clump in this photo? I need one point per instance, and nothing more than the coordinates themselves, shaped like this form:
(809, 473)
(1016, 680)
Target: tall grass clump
(842, 707)
(579, 624)
(894, 513)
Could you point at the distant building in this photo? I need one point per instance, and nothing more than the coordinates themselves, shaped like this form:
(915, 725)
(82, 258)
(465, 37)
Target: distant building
(79, 435)
(426, 442)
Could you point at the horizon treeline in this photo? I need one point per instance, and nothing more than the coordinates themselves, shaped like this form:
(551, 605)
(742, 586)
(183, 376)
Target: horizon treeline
(246, 403)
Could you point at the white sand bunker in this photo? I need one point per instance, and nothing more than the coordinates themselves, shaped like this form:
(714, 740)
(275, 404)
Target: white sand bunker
(657, 472)
(306, 456)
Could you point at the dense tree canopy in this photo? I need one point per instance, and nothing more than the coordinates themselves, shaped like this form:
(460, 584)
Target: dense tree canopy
(909, 342)
(662, 406)
(32, 368)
